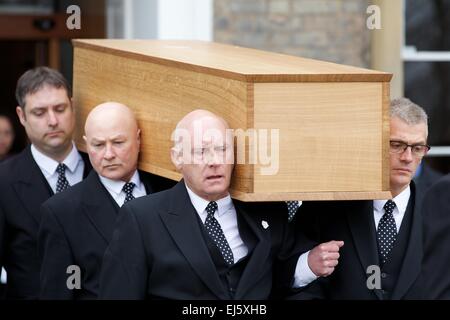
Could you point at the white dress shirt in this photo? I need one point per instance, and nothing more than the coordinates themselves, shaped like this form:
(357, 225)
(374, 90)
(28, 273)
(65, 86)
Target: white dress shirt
(401, 202)
(73, 161)
(226, 216)
(115, 187)
(303, 273)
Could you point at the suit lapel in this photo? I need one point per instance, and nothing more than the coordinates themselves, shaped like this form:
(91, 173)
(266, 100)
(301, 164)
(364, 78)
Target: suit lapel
(87, 164)
(146, 180)
(183, 227)
(411, 264)
(31, 187)
(362, 227)
(99, 206)
(258, 256)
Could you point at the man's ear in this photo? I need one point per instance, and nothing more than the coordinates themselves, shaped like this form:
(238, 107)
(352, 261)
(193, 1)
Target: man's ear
(139, 138)
(177, 158)
(21, 114)
(86, 142)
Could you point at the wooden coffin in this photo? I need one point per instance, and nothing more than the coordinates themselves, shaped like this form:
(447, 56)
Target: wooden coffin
(332, 120)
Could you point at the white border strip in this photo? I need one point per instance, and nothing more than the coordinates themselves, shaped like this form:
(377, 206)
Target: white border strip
(439, 151)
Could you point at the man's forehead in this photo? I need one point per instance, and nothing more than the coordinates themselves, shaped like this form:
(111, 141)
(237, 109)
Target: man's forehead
(410, 139)
(45, 101)
(48, 91)
(409, 136)
(105, 136)
(205, 122)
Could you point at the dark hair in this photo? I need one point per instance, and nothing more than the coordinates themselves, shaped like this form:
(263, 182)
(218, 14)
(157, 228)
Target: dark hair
(35, 79)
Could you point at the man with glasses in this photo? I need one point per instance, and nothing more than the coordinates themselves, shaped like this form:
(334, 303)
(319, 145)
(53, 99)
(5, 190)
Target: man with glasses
(382, 255)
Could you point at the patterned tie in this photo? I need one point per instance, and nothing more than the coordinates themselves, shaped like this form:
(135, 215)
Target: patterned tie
(62, 183)
(216, 233)
(292, 209)
(128, 189)
(387, 231)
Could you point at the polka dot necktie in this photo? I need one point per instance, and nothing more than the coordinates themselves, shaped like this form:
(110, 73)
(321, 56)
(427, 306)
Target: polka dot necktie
(62, 183)
(216, 233)
(128, 189)
(292, 209)
(387, 231)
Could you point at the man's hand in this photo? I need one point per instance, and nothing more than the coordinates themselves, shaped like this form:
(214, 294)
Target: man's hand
(324, 258)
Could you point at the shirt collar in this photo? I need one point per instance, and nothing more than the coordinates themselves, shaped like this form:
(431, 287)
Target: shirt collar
(401, 201)
(200, 204)
(116, 186)
(49, 165)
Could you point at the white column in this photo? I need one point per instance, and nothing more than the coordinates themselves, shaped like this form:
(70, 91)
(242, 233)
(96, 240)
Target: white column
(185, 19)
(114, 19)
(387, 43)
(161, 19)
(128, 19)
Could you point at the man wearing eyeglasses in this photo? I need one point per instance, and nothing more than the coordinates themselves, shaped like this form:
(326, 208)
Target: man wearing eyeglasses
(383, 251)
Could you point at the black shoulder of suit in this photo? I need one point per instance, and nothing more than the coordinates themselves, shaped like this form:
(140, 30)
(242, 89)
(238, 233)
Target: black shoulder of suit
(10, 166)
(157, 183)
(274, 209)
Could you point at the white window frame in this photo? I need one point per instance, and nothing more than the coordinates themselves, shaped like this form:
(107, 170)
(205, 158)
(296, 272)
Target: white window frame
(411, 54)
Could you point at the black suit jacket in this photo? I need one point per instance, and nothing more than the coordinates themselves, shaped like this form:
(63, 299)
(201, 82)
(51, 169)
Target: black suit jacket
(353, 222)
(158, 251)
(23, 188)
(436, 261)
(427, 177)
(76, 228)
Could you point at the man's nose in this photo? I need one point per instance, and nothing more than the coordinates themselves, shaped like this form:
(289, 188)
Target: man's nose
(52, 119)
(407, 155)
(109, 152)
(213, 158)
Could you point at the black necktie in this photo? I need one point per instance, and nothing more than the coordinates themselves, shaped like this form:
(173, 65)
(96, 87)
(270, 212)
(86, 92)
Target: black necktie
(292, 209)
(216, 233)
(128, 189)
(62, 183)
(387, 231)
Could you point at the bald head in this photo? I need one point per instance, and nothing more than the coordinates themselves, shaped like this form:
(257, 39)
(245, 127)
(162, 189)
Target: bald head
(109, 112)
(113, 139)
(200, 115)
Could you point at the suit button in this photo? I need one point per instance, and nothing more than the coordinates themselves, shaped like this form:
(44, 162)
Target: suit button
(384, 275)
(231, 290)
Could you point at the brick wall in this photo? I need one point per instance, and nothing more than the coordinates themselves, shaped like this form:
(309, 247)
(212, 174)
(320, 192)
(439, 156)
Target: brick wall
(331, 30)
